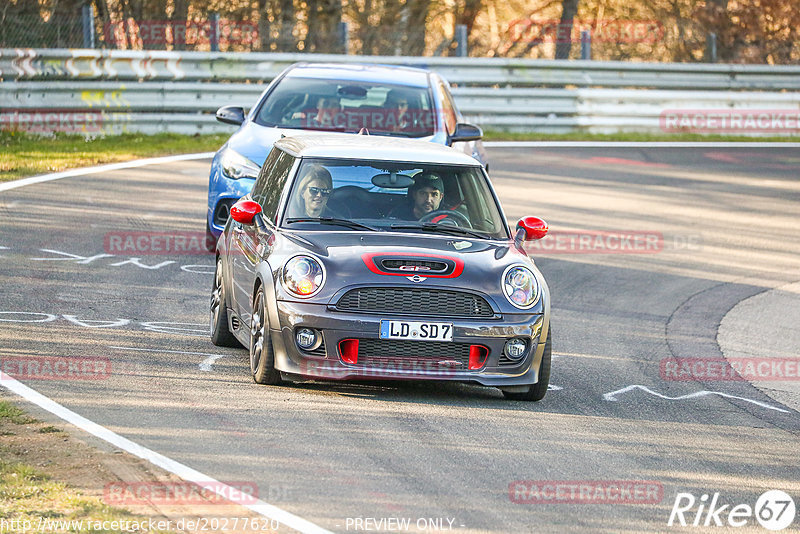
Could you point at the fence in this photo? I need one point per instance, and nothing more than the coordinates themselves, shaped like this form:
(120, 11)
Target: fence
(96, 91)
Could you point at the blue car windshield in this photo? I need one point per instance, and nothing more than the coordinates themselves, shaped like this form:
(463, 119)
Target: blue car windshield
(327, 194)
(347, 106)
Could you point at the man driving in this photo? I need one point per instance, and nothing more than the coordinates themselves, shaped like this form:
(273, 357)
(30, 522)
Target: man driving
(424, 196)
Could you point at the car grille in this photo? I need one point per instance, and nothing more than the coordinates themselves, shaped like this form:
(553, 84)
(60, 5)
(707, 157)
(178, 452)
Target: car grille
(414, 301)
(319, 351)
(505, 361)
(413, 355)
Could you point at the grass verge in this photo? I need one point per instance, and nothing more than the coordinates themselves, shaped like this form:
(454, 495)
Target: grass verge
(28, 155)
(31, 501)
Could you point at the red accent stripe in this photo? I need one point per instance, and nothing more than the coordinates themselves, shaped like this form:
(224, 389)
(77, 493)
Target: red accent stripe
(369, 261)
(477, 356)
(348, 350)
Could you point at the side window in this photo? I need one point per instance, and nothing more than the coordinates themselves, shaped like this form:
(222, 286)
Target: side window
(268, 187)
(448, 111)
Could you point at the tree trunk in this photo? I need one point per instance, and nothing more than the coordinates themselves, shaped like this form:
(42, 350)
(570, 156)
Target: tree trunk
(416, 19)
(569, 8)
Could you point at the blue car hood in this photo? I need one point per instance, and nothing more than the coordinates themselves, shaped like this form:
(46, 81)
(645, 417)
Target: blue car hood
(254, 141)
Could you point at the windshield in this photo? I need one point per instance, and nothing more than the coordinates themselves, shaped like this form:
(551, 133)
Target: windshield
(390, 196)
(346, 106)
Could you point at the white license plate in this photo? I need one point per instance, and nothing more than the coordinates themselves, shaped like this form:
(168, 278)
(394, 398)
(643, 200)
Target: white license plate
(416, 330)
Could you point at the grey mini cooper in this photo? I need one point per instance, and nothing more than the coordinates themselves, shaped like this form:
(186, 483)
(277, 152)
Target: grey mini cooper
(359, 257)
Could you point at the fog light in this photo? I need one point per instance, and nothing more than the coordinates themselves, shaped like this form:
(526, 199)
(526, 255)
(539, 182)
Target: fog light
(515, 348)
(306, 338)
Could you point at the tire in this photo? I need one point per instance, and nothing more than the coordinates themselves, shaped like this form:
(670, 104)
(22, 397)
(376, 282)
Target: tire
(262, 357)
(211, 240)
(220, 334)
(537, 391)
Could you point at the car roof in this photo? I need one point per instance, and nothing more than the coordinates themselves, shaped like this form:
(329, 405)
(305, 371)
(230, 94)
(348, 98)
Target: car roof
(360, 72)
(372, 147)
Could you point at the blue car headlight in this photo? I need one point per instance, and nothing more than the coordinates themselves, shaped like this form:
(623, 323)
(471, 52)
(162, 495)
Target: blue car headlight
(520, 286)
(236, 166)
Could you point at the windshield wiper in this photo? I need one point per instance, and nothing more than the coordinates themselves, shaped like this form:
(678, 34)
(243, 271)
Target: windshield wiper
(433, 227)
(333, 221)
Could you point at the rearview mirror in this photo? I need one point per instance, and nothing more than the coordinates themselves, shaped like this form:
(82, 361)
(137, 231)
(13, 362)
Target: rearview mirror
(466, 132)
(245, 211)
(231, 115)
(533, 228)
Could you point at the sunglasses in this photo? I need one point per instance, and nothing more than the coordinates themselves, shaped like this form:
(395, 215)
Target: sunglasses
(319, 191)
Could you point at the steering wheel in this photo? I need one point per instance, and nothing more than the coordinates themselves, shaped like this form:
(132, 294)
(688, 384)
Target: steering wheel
(457, 217)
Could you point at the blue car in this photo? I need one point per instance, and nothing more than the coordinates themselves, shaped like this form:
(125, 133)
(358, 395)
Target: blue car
(350, 98)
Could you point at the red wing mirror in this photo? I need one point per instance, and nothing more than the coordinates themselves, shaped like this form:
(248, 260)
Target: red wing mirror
(244, 211)
(534, 227)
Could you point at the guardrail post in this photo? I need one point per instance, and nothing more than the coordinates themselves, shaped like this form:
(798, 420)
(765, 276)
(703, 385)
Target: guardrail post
(344, 37)
(586, 44)
(711, 48)
(87, 17)
(461, 40)
(213, 34)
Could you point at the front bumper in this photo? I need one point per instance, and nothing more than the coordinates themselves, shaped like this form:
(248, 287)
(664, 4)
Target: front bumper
(336, 326)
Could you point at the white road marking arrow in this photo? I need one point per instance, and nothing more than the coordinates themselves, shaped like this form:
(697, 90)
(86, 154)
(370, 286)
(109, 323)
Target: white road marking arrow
(612, 397)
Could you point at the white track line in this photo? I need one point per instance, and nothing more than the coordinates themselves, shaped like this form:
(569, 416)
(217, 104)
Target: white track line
(185, 472)
(177, 468)
(637, 144)
(612, 396)
(102, 168)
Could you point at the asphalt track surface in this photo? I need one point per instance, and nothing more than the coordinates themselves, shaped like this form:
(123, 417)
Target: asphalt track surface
(730, 227)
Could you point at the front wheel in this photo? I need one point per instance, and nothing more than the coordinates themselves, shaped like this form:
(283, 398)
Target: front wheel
(537, 391)
(262, 358)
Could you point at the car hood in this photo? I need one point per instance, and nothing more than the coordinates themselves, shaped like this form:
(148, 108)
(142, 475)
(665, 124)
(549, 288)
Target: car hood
(254, 141)
(350, 259)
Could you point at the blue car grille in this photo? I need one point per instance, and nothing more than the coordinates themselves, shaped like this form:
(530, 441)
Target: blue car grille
(414, 301)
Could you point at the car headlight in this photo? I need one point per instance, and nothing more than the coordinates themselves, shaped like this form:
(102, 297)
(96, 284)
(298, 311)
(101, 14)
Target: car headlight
(303, 276)
(520, 286)
(236, 166)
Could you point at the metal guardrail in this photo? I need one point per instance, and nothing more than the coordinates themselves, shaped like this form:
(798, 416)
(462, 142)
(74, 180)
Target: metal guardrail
(95, 91)
(129, 65)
